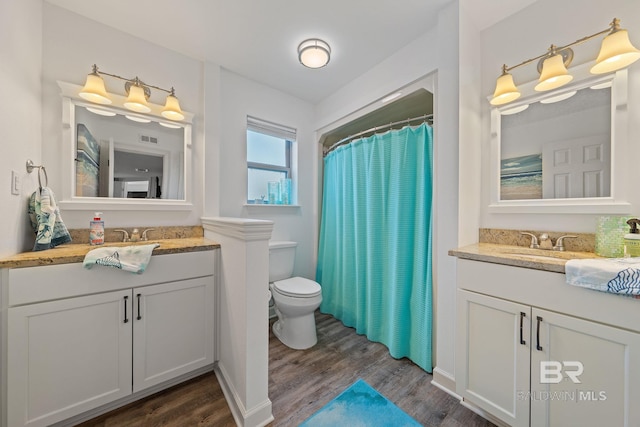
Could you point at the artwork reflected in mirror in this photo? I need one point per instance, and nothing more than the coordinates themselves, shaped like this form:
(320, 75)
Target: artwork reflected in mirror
(558, 148)
(117, 157)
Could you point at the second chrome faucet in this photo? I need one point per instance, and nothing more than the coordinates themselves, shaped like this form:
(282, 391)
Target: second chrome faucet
(545, 241)
(135, 235)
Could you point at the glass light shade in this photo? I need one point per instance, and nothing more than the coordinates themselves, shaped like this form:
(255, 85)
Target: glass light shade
(514, 110)
(506, 91)
(94, 90)
(172, 109)
(314, 53)
(558, 98)
(616, 52)
(137, 119)
(101, 112)
(554, 74)
(169, 125)
(136, 100)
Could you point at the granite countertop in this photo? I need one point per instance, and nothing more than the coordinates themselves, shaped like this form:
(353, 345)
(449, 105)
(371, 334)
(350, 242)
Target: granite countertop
(518, 256)
(70, 253)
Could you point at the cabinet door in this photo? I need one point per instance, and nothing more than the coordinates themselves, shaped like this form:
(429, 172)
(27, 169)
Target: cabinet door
(68, 356)
(492, 357)
(583, 373)
(172, 330)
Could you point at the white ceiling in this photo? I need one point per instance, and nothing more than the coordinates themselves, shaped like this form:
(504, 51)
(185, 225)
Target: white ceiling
(258, 38)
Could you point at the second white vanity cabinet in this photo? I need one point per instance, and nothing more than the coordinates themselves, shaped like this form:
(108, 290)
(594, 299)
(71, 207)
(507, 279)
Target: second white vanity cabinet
(533, 351)
(78, 339)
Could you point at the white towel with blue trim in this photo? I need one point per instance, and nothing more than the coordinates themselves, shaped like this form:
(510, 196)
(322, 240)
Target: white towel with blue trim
(128, 258)
(613, 275)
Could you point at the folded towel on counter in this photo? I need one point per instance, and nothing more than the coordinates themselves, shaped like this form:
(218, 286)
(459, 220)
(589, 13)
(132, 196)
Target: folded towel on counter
(127, 258)
(613, 275)
(46, 220)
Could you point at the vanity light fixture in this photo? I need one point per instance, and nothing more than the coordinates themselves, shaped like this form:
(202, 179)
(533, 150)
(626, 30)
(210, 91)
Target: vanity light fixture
(137, 91)
(616, 52)
(314, 53)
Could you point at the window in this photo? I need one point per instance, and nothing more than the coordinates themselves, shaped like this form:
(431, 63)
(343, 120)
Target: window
(269, 148)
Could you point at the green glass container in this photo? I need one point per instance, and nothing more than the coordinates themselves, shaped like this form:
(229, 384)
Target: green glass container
(610, 231)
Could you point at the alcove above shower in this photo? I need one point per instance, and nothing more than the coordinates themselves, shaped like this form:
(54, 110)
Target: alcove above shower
(414, 104)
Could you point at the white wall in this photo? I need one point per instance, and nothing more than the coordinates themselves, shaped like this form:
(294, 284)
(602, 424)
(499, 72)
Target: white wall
(528, 34)
(71, 44)
(20, 116)
(241, 97)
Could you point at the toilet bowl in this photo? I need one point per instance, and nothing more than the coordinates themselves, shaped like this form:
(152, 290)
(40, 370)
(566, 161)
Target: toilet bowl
(295, 298)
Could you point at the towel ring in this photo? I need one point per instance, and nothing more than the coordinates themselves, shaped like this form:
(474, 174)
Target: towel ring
(41, 168)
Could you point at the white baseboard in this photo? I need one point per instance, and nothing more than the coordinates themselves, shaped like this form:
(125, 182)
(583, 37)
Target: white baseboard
(258, 416)
(445, 382)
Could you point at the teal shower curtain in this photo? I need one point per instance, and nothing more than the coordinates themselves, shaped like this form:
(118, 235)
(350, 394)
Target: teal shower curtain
(374, 255)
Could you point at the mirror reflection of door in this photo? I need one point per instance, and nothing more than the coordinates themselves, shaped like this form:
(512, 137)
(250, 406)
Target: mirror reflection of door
(114, 149)
(137, 175)
(558, 149)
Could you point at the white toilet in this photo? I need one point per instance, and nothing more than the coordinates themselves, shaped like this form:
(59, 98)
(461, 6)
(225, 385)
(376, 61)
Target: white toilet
(296, 298)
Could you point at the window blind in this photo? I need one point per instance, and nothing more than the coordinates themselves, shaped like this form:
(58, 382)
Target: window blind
(270, 128)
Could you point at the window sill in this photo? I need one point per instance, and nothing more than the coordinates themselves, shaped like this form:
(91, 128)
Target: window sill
(268, 206)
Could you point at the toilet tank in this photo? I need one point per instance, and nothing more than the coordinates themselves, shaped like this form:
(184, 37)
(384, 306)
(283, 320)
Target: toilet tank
(281, 258)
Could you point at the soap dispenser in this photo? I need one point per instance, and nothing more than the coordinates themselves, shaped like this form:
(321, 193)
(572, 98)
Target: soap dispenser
(96, 230)
(632, 240)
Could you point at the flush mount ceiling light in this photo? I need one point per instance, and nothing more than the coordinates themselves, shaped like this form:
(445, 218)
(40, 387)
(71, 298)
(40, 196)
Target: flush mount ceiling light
(616, 52)
(314, 53)
(138, 94)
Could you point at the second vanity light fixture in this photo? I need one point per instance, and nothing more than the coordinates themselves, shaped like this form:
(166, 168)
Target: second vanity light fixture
(137, 91)
(616, 52)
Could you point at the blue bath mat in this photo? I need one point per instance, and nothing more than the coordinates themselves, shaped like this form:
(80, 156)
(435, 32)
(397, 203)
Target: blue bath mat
(360, 405)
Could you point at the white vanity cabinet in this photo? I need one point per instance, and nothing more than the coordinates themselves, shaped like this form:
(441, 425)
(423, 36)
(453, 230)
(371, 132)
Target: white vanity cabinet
(78, 339)
(533, 351)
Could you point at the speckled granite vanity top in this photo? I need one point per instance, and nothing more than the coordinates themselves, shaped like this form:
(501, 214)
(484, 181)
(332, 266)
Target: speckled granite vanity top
(517, 256)
(510, 248)
(172, 240)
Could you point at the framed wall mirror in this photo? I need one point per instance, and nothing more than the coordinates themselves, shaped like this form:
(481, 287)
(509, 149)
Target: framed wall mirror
(561, 150)
(115, 158)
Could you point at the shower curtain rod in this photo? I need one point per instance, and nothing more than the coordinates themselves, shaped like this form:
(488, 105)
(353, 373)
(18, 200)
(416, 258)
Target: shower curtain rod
(343, 141)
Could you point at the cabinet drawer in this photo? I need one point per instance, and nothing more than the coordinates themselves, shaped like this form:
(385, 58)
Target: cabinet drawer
(44, 283)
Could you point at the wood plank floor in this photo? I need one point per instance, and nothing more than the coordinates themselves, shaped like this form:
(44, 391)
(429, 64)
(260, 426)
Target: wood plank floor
(300, 383)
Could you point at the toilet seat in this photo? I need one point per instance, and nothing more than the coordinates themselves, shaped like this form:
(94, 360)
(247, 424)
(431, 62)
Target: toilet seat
(297, 287)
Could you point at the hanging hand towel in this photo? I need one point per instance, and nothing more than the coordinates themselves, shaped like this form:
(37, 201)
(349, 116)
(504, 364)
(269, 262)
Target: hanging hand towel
(614, 275)
(127, 258)
(46, 220)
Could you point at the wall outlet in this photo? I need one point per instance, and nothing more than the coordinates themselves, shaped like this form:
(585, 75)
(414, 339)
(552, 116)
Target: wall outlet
(15, 183)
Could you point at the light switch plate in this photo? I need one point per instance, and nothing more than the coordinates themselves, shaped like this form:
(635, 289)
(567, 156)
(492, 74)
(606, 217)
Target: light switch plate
(15, 183)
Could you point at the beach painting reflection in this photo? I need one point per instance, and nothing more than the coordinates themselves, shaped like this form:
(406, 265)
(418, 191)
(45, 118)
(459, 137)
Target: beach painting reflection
(521, 177)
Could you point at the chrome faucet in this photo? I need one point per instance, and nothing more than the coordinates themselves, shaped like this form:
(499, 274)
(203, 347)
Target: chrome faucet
(125, 235)
(144, 233)
(545, 241)
(534, 240)
(559, 246)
